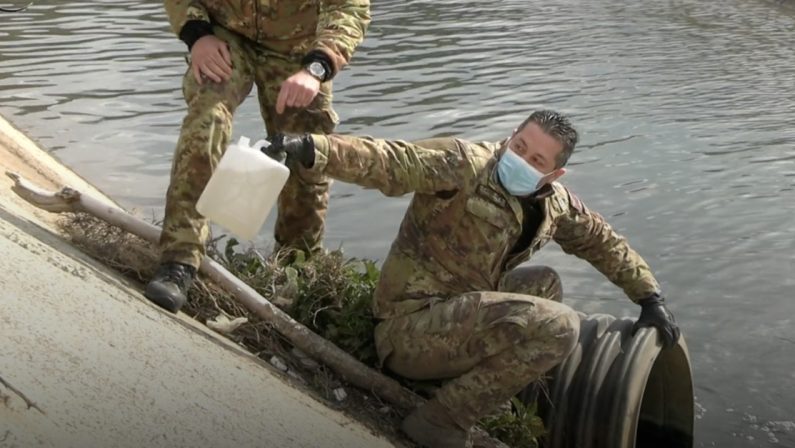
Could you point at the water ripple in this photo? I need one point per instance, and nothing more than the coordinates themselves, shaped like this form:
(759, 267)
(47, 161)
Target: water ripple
(685, 110)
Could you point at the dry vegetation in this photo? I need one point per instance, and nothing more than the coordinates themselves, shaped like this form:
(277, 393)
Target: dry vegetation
(328, 293)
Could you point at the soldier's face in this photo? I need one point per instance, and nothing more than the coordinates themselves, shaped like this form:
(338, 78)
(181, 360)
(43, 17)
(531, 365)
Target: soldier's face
(539, 149)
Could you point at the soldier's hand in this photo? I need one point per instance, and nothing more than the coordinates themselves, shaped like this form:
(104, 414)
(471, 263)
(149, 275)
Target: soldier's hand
(210, 59)
(292, 150)
(654, 314)
(297, 91)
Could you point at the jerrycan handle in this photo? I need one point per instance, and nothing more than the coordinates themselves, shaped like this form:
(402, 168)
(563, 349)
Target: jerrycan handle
(262, 145)
(265, 147)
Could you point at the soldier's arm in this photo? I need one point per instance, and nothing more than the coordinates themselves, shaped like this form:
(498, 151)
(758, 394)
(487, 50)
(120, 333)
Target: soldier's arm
(340, 29)
(189, 19)
(395, 167)
(587, 235)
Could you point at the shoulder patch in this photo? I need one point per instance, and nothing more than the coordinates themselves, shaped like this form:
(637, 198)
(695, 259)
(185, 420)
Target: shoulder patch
(492, 196)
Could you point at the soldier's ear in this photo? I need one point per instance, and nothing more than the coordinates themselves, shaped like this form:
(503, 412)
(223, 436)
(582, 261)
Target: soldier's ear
(557, 174)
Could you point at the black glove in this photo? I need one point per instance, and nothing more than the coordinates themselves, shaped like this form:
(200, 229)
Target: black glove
(653, 313)
(290, 150)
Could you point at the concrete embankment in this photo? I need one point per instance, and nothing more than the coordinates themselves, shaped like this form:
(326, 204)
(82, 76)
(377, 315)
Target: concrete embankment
(86, 361)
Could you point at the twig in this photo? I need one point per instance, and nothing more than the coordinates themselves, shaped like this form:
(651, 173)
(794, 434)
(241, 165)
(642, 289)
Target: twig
(19, 393)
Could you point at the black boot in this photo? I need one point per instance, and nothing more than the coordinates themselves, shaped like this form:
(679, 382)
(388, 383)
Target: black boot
(431, 426)
(169, 287)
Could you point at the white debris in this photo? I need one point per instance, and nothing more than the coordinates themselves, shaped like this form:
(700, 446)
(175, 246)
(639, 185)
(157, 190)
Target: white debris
(278, 363)
(340, 394)
(223, 325)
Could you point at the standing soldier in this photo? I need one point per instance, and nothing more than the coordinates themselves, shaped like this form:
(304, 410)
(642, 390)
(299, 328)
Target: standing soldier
(451, 301)
(291, 49)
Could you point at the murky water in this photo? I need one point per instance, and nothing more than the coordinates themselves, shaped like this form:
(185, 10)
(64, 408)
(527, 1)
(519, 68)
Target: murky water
(686, 110)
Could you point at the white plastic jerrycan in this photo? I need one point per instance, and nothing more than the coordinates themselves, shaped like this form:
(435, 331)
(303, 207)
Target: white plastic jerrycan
(243, 189)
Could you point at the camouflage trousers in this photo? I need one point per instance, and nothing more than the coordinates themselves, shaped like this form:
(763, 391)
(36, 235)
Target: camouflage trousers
(206, 132)
(489, 345)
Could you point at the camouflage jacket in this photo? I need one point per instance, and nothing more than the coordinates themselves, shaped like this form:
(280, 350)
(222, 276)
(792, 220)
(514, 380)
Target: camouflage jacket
(461, 225)
(290, 27)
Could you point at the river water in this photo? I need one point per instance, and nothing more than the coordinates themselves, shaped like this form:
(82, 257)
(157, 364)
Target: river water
(686, 111)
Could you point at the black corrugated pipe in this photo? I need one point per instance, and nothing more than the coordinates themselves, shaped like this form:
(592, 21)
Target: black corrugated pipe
(616, 390)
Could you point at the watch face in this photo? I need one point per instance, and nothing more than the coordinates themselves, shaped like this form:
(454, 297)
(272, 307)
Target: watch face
(316, 69)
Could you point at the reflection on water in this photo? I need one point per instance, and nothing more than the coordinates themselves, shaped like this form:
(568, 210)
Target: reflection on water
(685, 108)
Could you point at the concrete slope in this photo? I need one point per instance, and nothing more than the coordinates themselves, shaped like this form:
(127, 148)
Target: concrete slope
(101, 367)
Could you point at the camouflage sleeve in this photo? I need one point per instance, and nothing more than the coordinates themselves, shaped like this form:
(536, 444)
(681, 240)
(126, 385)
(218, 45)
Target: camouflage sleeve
(395, 167)
(340, 29)
(181, 11)
(587, 235)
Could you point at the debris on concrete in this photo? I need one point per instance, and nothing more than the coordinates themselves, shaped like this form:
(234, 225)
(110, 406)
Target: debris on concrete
(222, 324)
(278, 363)
(340, 394)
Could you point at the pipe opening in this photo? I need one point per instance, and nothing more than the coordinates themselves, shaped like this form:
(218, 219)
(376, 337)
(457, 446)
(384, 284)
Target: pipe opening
(667, 408)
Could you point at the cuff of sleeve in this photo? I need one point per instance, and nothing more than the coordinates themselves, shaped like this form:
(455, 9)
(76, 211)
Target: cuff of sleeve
(323, 59)
(194, 30)
(654, 296)
(322, 147)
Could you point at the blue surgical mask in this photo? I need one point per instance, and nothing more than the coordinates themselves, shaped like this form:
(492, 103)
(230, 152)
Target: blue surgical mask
(516, 175)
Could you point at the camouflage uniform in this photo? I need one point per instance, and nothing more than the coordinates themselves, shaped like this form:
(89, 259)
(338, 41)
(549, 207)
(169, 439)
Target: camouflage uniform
(443, 298)
(539, 281)
(267, 40)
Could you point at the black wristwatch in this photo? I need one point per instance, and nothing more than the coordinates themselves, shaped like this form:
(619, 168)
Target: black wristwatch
(317, 70)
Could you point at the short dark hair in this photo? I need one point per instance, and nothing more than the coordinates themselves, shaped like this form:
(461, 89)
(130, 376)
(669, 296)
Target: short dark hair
(558, 126)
